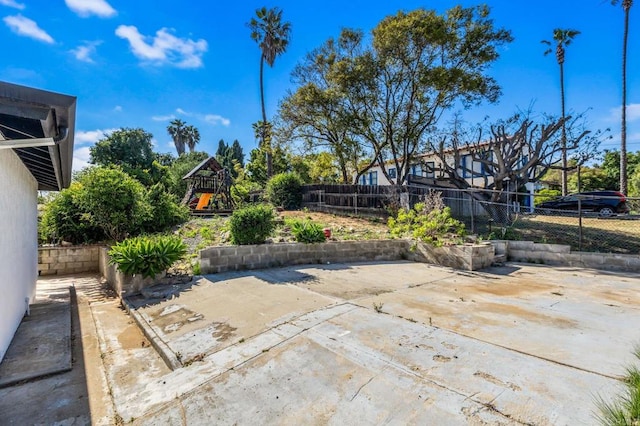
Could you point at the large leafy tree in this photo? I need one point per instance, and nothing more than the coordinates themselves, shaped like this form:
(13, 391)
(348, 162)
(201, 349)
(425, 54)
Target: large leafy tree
(272, 36)
(178, 130)
(561, 39)
(418, 65)
(230, 157)
(130, 149)
(626, 6)
(317, 114)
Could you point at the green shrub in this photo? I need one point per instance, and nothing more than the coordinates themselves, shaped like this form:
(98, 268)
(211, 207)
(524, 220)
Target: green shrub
(285, 190)
(434, 226)
(62, 219)
(114, 202)
(147, 255)
(252, 224)
(106, 203)
(545, 195)
(306, 231)
(165, 210)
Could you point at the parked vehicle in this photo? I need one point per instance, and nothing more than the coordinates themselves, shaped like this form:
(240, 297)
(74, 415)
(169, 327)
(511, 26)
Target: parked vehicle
(605, 203)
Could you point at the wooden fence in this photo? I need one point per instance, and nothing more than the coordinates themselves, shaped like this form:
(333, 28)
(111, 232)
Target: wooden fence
(376, 200)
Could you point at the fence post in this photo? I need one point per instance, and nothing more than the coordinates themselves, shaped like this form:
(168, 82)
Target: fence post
(473, 215)
(579, 223)
(355, 202)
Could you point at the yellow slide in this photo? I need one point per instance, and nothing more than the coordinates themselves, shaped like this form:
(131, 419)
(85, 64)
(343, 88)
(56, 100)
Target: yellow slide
(204, 201)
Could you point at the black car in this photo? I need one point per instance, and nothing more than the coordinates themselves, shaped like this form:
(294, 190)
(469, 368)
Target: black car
(605, 203)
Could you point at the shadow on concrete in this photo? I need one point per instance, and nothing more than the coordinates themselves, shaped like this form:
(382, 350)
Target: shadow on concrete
(159, 293)
(59, 391)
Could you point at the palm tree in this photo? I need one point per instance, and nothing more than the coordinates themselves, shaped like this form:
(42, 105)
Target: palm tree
(192, 137)
(177, 129)
(626, 6)
(272, 36)
(561, 39)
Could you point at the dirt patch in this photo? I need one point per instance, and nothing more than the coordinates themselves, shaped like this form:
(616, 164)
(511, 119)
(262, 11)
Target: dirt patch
(172, 317)
(223, 331)
(488, 377)
(344, 227)
(132, 338)
(526, 315)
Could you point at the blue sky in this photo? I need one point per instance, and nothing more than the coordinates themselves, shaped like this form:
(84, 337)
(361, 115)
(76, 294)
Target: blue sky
(142, 63)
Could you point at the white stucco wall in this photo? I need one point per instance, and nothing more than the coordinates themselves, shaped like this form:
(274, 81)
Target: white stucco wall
(18, 243)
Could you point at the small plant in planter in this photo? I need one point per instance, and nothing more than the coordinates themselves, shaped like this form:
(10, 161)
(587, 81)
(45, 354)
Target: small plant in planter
(306, 231)
(147, 256)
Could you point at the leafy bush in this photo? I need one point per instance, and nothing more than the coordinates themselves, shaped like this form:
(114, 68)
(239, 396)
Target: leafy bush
(430, 225)
(252, 224)
(114, 202)
(165, 210)
(62, 219)
(106, 203)
(545, 195)
(306, 231)
(285, 190)
(147, 255)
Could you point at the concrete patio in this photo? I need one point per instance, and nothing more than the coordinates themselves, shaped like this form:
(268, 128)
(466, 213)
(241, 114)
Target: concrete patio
(368, 343)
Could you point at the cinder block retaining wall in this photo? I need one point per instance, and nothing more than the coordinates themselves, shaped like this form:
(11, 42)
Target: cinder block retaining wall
(561, 255)
(68, 260)
(234, 258)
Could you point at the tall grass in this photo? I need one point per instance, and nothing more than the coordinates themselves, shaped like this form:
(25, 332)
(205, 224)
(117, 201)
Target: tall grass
(624, 410)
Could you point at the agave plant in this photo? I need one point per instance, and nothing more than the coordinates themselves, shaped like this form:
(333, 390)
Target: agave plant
(147, 256)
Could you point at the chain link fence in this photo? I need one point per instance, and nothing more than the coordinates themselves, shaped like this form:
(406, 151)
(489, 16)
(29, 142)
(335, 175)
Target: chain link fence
(584, 223)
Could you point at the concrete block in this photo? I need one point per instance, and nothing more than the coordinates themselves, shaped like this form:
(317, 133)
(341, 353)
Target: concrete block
(521, 245)
(554, 248)
(591, 260)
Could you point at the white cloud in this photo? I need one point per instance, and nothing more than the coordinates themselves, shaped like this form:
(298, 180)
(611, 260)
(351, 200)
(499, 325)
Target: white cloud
(633, 113)
(85, 8)
(117, 108)
(164, 47)
(183, 112)
(12, 3)
(216, 119)
(28, 28)
(85, 51)
(81, 158)
(91, 136)
(163, 117)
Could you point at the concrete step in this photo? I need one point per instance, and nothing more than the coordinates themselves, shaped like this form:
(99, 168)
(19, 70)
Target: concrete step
(499, 259)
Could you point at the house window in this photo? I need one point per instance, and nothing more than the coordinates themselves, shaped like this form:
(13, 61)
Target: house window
(392, 173)
(416, 169)
(430, 169)
(370, 178)
(466, 166)
(373, 178)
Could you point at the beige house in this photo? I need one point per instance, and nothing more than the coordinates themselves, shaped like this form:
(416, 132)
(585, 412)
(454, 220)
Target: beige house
(36, 151)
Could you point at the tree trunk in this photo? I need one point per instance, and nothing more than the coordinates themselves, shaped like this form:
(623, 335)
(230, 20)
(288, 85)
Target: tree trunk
(269, 159)
(564, 133)
(623, 130)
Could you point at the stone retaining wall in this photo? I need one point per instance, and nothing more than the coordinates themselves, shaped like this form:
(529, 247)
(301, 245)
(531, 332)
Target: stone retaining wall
(561, 255)
(234, 258)
(68, 260)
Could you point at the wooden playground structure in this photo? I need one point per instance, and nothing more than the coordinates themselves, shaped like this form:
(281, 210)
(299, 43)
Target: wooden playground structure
(209, 190)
